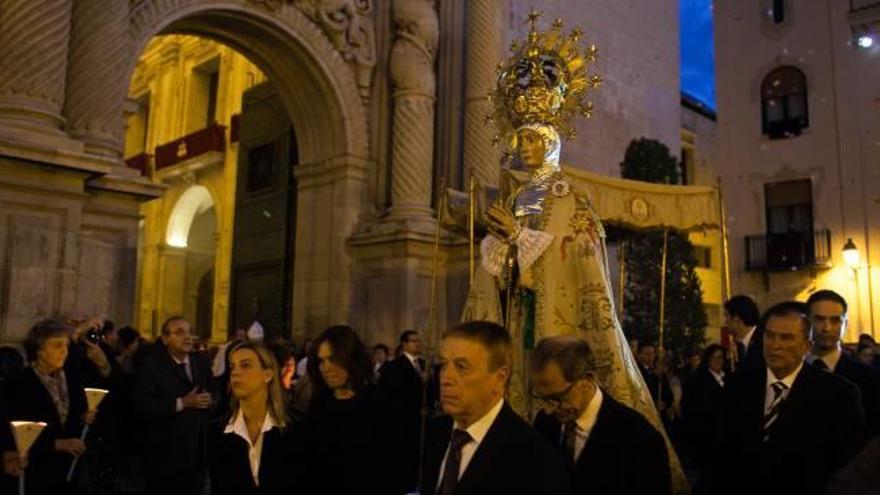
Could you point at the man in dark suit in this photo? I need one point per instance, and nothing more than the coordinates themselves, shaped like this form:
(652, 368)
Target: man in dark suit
(789, 428)
(173, 397)
(741, 316)
(829, 319)
(402, 384)
(481, 446)
(610, 447)
(657, 385)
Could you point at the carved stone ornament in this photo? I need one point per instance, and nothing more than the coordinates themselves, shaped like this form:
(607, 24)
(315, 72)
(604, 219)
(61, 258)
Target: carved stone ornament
(349, 26)
(269, 4)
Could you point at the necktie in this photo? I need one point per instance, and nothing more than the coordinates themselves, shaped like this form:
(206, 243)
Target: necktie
(460, 438)
(421, 364)
(185, 370)
(569, 435)
(773, 412)
(818, 363)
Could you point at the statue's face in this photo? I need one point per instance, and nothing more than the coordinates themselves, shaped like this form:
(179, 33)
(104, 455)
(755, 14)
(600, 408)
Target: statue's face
(531, 148)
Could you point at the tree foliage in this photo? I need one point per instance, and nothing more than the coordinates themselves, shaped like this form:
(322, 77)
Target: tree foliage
(685, 317)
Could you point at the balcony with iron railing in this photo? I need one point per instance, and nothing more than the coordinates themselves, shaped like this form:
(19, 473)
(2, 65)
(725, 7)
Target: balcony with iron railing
(791, 251)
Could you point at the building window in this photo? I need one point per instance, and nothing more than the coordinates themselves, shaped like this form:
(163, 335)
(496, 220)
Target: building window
(784, 103)
(202, 104)
(703, 255)
(789, 213)
(137, 127)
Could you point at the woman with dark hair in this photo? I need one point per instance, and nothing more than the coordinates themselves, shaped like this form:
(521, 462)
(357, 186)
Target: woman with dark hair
(47, 392)
(344, 427)
(702, 410)
(251, 450)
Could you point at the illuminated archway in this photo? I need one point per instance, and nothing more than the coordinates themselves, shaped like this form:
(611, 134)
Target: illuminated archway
(194, 201)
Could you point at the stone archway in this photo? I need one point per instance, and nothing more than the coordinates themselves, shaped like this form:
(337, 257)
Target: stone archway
(320, 92)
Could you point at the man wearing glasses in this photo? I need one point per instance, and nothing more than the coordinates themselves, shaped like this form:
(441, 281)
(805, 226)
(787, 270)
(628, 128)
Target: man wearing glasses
(610, 447)
(828, 322)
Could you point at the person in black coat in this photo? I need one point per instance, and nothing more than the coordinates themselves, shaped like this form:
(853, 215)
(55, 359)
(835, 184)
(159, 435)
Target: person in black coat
(344, 433)
(172, 396)
(480, 446)
(788, 429)
(47, 392)
(742, 317)
(702, 411)
(257, 423)
(604, 441)
(828, 318)
(403, 386)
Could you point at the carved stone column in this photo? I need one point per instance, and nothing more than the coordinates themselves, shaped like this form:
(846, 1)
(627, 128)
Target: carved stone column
(412, 73)
(483, 53)
(95, 87)
(33, 63)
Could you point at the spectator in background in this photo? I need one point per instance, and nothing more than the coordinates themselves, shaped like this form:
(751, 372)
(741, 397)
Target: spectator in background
(344, 424)
(741, 316)
(46, 391)
(172, 396)
(828, 320)
(302, 364)
(702, 409)
(866, 354)
(403, 384)
(380, 359)
(868, 341)
(130, 342)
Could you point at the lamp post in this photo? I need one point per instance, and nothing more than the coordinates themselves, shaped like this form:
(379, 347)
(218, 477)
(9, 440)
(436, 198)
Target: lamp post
(851, 257)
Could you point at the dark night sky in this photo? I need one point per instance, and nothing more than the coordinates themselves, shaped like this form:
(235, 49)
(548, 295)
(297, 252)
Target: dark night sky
(697, 50)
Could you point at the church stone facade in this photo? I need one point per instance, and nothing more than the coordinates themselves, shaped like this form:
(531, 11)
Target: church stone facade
(387, 100)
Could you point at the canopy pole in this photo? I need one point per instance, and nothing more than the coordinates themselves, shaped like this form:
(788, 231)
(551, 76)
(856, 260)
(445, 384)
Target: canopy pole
(663, 285)
(471, 236)
(621, 261)
(725, 257)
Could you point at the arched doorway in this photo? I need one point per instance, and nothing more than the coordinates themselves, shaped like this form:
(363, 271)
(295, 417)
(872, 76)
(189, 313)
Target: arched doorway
(319, 92)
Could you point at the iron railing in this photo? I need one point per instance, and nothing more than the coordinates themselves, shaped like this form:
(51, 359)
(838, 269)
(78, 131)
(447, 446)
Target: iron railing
(790, 251)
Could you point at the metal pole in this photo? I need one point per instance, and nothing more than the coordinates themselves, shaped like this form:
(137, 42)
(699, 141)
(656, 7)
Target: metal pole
(725, 257)
(663, 285)
(621, 258)
(441, 206)
(471, 213)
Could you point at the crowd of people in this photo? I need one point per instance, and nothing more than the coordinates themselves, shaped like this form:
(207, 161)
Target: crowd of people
(783, 407)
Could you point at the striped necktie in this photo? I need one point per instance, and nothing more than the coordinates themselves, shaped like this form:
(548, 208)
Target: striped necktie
(773, 411)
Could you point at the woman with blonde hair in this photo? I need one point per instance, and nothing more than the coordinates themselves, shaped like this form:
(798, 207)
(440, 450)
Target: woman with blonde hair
(252, 451)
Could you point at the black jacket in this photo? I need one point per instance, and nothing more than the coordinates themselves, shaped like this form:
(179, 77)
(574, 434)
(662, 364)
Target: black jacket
(512, 459)
(754, 359)
(624, 454)
(819, 428)
(345, 445)
(174, 444)
(281, 462)
(30, 401)
(867, 379)
(405, 394)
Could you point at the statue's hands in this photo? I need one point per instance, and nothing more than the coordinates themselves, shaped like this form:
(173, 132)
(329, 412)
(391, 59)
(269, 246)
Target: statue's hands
(501, 222)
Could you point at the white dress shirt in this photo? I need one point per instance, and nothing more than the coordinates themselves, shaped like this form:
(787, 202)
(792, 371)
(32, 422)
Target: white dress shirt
(413, 360)
(719, 377)
(585, 424)
(771, 379)
(238, 426)
(477, 431)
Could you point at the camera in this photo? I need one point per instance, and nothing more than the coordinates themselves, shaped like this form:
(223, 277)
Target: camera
(94, 335)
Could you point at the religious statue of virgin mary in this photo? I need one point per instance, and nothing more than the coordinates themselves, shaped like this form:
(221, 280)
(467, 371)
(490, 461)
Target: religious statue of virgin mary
(543, 263)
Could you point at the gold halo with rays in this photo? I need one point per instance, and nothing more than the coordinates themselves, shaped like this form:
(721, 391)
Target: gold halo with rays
(546, 81)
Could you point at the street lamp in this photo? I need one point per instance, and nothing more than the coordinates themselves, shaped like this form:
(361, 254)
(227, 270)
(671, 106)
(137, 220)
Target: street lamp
(851, 254)
(851, 258)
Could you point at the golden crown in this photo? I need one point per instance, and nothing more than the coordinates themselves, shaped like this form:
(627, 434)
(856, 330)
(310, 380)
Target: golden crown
(545, 81)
